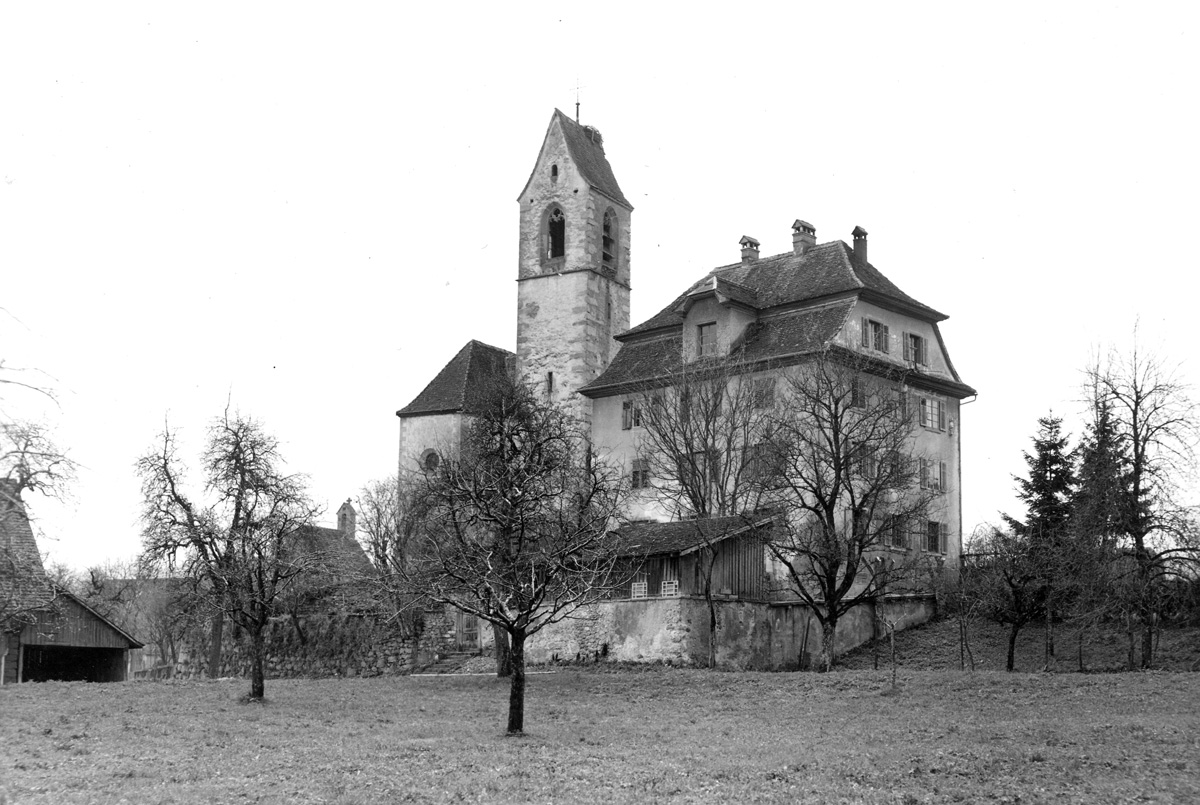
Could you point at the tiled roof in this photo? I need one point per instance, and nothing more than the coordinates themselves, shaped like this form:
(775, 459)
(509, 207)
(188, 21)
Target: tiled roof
(474, 365)
(588, 152)
(792, 333)
(340, 556)
(788, 278)
(24, 585)
(682, 536)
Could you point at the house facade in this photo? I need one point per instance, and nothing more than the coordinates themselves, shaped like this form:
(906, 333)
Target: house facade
(769, 315)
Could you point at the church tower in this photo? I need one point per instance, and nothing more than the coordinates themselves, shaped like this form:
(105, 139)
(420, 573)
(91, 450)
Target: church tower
(573, 273)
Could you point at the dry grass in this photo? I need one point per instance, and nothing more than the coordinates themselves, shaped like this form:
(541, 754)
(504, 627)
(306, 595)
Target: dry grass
(662, 734)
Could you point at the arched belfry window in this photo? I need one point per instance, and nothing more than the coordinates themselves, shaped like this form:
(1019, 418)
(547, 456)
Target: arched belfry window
(553, 174)
(608, 240)
(556, 233)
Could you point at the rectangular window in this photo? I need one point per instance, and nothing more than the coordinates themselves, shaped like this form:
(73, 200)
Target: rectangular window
(856, 393)
(631, 414)
(933, 413)
(915, 349)
(706, 340)
(935, 537)
(670, 587)
(639, 589)
(640, 477)
(893, 532)
(933, 474)
(763, 392)
(874, 335)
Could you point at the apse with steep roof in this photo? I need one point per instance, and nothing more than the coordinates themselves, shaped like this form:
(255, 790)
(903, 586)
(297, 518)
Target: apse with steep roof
(475, 365)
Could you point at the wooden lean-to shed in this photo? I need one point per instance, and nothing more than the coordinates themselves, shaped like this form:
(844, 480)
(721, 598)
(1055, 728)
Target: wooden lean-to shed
(46, 632)
(670, 559)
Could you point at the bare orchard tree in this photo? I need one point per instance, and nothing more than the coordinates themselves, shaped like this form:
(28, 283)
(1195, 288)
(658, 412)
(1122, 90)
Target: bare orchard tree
(1158, 426)
(849, 487)
(1006, 581)
(236, 539)
(518, 523)
(704, 437)
(388, 517)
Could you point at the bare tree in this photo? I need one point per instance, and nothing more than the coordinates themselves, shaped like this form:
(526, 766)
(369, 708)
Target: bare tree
(1005, 580)
(517, 526)
(704, 448)
(1157, 424)
(237, 541)
(850, 490)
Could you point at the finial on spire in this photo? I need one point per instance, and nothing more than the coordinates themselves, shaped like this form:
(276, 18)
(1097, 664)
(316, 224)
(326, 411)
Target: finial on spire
(577, 88)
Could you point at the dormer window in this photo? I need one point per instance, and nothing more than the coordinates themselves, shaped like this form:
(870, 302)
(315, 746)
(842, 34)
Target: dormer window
(608, 241)
(556, 234)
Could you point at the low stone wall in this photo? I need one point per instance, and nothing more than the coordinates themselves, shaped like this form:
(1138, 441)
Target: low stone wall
(750, 635)
(333, 644)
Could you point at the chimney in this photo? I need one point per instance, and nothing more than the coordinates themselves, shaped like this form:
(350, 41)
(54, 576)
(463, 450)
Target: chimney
(804, 236)
(347, 520)
(749, 249)
(860, 245)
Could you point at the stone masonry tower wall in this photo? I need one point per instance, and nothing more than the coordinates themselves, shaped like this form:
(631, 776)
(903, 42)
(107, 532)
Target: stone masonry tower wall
(573, 271)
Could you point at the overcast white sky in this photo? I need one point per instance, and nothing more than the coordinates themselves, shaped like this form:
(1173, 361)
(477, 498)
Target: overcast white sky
(310, 209)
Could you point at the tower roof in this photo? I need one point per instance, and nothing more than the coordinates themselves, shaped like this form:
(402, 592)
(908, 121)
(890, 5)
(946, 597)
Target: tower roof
(586, 148)
(474, 365)
(24, 585)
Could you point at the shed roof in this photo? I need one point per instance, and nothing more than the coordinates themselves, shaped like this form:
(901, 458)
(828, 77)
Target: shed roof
(684, 536)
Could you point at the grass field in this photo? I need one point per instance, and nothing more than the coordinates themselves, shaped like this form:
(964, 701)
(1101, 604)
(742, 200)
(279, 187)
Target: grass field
(658, 735)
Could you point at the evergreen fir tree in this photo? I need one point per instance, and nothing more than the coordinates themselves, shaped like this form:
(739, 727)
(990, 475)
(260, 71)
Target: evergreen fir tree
(1048, 491)
(1101, 503)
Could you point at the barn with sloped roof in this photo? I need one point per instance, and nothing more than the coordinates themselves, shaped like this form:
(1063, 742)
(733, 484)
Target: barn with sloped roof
(47, 632)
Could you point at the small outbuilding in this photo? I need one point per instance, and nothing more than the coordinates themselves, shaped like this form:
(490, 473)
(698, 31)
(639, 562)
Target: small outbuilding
(46, 632)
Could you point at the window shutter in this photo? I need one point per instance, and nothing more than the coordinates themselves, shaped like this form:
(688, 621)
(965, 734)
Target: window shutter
(886, 339)
(626, 415)
(941, 411)
(922, 352)
(907, 341)
(924, 473)
(942, 475)
(866, 333)
(925, 412)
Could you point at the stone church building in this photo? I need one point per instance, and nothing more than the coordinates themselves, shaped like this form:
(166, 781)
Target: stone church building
(574, 339)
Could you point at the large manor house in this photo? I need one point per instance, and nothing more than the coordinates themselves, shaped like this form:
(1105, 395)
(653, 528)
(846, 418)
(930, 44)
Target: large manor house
(575, 341)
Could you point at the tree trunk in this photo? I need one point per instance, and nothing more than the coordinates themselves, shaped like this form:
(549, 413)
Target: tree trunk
(516, 693)
(257, 661)
(1012, 646)
(1129, 633)
(828, 633)
(1148, 642)
(892, 642)
(504, 659)
(217, 634)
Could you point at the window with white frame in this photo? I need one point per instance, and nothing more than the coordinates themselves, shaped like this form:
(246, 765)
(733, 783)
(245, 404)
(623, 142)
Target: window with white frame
(670, 587)
(706, 340)
(874, 335)
(640, 474)
(916, 349)
(933, 413)
(639, 588)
